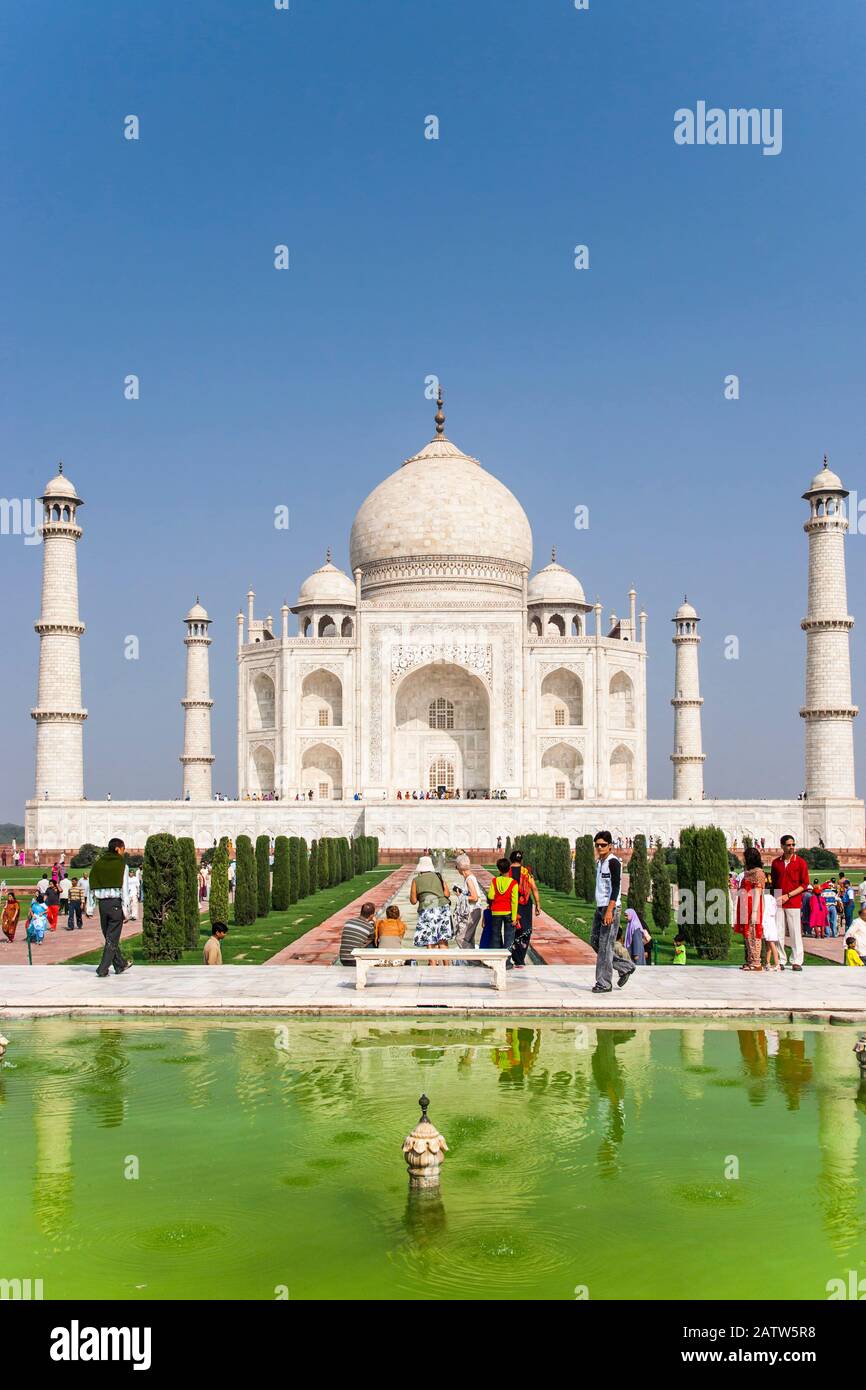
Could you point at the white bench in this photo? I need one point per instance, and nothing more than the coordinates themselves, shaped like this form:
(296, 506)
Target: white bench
(366, 958)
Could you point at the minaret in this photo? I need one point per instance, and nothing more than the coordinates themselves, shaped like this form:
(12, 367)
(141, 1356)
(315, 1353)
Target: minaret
(197, 705)
(828, 710)
(688, 755)
(58, 713)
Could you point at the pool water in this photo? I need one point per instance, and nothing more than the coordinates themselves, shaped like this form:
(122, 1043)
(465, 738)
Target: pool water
(253, 1160)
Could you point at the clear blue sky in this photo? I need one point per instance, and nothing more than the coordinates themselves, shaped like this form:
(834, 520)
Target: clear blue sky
(411, 257)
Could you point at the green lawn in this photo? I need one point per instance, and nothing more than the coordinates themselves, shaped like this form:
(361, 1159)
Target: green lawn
(577, 916)
(263, 938)
(29, 874)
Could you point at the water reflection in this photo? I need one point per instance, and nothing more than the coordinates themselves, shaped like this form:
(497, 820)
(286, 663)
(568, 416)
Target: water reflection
(535, 1114)
(516, 1058)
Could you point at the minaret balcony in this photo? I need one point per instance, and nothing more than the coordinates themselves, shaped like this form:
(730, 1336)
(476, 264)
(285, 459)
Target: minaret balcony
(817, 624)
(47, 628)
(829, 711)
(69, 716)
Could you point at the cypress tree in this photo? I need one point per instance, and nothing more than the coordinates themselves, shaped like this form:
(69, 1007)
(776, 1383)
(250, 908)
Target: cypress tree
(324, 864)
(263, 875)
(303, 869)
(246, 893)
(334, 863)
(163, 906)
(218, 902)
(374, 860)
(189, 866)
(687, 884)
(508, 847)
(638, 877)
(294, 868)
(356, 854)
(712, 931)
(281, 893)
(661, 890)
(587, 869)
(313, 867)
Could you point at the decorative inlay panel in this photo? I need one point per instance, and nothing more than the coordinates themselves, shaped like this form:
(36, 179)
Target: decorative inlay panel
(476, 657)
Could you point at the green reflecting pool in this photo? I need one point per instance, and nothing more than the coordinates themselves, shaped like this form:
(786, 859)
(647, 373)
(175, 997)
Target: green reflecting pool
(580, 1155)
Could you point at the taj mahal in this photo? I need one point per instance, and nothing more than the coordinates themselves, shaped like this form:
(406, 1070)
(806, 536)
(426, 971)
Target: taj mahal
(442, 665)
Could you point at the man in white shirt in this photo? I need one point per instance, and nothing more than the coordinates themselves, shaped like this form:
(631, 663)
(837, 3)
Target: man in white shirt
(42, 885)
(605, 923)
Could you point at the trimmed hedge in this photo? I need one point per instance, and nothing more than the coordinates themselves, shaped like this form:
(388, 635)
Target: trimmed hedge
(189, 867)
(246, 891)
(661, 891)
(218, 902)
(638, 877)
(263, 875)
(281, 889)
(163, 922)
(303, 869)
(294, 868)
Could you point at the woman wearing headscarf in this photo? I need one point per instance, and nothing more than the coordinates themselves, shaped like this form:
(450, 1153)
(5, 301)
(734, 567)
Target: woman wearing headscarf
(430, 894)
(635, 936)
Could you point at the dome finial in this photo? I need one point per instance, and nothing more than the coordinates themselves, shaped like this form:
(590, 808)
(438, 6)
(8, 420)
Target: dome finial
(440, 415)
(826, 461)
(328, 556)
(553, 554)
(60, 466)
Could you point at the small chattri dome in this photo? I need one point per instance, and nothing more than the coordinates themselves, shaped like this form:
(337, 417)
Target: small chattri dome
(328, 585)
(555, 584)
(685, 610)
(826, 481)
(60, 486)
(197, 614)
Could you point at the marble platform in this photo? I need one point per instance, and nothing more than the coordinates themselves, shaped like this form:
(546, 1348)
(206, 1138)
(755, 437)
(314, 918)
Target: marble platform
(660, 991)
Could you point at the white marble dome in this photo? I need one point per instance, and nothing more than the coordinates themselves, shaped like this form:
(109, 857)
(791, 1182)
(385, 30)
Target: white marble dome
(685, 610)
(440, 503)
(197, 614)
(826, 481)
(555, 584)
(60, 486)
(327, 585)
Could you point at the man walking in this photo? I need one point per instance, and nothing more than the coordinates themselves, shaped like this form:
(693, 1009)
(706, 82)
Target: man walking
(605, 923)
(109, 886)
(73, 908)
(790, 877)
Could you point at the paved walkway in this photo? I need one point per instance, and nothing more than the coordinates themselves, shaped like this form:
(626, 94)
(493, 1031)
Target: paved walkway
(553, 943)
(829, 947)
(59, 945)
(321, 945)
(660, 991)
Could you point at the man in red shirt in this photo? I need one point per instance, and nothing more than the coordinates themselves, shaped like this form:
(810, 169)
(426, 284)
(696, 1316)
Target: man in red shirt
(790, 876)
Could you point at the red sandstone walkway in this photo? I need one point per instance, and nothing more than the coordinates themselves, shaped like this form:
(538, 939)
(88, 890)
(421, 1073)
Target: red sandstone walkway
(60, 945)
(828, 947)
(321, 945)
(553, 943)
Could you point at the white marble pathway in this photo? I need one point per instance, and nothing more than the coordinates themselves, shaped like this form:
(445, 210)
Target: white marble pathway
(671, 991)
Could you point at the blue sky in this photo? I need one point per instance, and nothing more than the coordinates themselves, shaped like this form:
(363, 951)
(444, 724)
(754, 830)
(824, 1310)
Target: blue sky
(411, 257)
